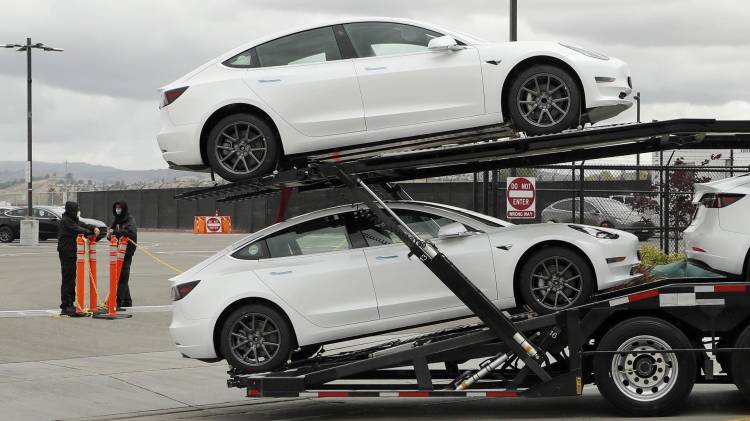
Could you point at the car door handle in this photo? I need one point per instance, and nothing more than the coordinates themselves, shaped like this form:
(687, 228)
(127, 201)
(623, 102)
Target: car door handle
(386, 257)
(268, 80)
(286, 272)
(370, 69)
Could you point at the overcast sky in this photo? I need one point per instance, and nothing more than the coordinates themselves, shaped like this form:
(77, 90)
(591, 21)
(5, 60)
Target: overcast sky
(97, 101)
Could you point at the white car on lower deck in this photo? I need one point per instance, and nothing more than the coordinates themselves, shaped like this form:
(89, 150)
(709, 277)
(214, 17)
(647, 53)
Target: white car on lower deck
(335, 274)
(719, 234)
(364, 81)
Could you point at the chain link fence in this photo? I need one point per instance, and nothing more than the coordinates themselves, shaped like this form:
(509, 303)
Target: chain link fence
(654, 202)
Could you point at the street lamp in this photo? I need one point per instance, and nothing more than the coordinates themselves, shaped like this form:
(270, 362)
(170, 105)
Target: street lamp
(31, 237)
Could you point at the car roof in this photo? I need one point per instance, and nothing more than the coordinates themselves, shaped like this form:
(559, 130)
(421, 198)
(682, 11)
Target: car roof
(488, 221)
(468, 39)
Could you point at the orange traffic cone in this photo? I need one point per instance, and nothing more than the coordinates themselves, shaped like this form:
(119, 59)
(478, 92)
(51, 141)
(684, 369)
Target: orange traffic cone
(80, 272)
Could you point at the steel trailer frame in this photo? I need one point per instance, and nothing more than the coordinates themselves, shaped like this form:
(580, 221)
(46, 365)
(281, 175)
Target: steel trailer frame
(526, 353)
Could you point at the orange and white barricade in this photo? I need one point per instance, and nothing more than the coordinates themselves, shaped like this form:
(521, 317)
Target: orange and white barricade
(80, 273)
(212, 225)
(117, 251)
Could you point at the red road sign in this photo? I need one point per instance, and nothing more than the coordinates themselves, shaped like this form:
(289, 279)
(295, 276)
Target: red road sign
(521, 197)
(213, 224)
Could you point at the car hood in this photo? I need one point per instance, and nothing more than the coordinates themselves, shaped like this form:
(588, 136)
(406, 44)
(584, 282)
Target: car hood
(552, 229)
(95, 222)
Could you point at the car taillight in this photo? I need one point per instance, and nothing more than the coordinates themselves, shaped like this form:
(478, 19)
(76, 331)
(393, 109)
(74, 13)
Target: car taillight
(171, 95)
(720, 200)
(180, 291)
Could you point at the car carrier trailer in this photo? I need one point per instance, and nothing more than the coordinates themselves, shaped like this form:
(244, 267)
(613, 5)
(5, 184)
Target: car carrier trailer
(643, 346)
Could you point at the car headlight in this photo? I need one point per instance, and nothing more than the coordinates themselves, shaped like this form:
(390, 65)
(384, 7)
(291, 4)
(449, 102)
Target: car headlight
(585, 52)
(600, 234)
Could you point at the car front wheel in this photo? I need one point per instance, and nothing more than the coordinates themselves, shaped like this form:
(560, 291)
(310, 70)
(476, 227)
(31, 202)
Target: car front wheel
(6, 235)
(544, 99)
(242, 146)
(256, 339)
(555, 278)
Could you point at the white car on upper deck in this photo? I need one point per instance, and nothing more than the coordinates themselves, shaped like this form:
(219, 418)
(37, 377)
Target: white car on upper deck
(364, 81)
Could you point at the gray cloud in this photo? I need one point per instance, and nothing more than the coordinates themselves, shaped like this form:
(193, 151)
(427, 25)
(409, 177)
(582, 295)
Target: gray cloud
(98, 98)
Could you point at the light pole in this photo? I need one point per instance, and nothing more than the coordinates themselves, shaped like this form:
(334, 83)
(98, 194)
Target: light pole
(637, 99)
(27, 48)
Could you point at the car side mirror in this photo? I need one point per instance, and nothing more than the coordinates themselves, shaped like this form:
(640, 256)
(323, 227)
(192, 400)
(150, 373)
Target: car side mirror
(453, 230)
(444, 43)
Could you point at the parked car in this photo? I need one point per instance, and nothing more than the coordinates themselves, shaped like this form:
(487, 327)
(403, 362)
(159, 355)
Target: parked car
(49, 219)
(333, 274)
(326, 88)
(649, 214)
(719, 234)
(602, 212)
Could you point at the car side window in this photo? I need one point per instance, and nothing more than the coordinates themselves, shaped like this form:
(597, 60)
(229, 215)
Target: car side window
(425, 225)
(372, 39)
(244, 59)
(18, 212)
(322, 235)
(588, 207)
(313, 46)
(565, 205)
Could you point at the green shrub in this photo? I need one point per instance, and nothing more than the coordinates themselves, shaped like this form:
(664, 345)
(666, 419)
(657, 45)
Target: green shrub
(652, 255)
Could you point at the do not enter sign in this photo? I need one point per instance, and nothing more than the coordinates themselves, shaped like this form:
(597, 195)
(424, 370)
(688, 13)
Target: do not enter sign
(213, 224)
(521, 196)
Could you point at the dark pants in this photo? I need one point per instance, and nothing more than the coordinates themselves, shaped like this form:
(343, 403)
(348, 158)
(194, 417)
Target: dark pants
(68, 285)
(123, 289)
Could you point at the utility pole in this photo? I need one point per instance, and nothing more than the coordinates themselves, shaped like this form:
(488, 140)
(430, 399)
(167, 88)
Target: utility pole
(29, 224)
(637, 99)
(513, 16)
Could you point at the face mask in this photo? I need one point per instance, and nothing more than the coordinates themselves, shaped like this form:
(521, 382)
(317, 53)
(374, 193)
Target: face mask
(118, 211)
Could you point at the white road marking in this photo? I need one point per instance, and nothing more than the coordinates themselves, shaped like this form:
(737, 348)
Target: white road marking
(46, 313)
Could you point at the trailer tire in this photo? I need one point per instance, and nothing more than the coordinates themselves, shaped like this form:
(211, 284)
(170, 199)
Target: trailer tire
(740, 368)
(255, 338)
(659, 383)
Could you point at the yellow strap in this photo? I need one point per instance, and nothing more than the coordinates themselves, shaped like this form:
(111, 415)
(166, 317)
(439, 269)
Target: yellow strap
(177, 271)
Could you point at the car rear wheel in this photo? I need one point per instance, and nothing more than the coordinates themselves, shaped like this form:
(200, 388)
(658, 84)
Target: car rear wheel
(242, 146)
(6, 235)
(555, 278)
(645, 381)
(256, 339)
(544, 99)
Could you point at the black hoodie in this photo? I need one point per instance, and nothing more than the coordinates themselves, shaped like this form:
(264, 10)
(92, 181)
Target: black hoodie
(69, 228)
(124, 225)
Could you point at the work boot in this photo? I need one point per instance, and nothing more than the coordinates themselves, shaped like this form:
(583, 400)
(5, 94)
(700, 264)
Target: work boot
(69, 311)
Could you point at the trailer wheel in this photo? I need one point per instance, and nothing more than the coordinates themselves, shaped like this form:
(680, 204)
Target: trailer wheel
(555, 278)
(256, 339)
(740, 368)
(645, 384)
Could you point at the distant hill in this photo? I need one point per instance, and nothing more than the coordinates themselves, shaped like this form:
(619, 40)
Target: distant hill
(100, 174)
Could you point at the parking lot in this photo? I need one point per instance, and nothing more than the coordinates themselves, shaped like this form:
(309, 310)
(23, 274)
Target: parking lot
(63, 368)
